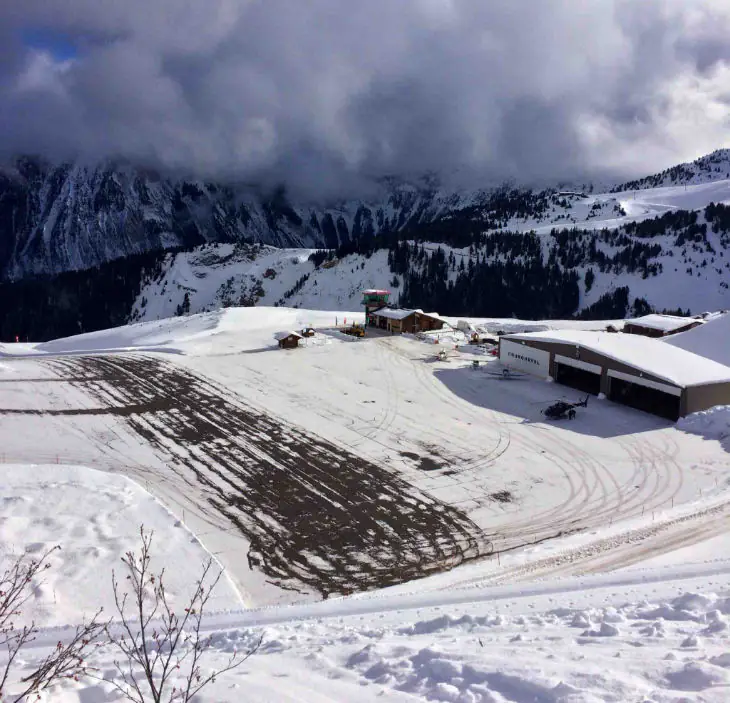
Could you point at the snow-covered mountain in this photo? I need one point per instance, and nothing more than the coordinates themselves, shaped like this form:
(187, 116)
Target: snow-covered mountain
(712, 167)
(662, 245)
(56, 218)
(122, 244)
(74, 217)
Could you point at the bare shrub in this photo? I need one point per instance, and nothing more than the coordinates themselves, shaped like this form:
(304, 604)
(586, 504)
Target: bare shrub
(161, 648)
(68, 660)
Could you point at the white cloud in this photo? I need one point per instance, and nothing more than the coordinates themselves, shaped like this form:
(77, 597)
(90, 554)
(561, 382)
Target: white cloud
(42, 73)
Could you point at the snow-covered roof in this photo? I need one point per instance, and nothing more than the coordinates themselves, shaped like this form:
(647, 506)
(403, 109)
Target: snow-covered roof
(392, 314)
(283, 335)
(376, 291)
(652, 356)
(711, 340)
(663, 323)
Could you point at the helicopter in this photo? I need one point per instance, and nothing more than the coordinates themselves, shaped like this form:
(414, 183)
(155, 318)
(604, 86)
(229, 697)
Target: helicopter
(505, 374)
(562, 409)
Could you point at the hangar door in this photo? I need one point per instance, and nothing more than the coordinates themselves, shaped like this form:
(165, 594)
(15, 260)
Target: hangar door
(578, 374)
(655, 400)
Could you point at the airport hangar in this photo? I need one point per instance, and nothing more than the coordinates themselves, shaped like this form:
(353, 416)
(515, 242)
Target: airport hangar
(644, 373)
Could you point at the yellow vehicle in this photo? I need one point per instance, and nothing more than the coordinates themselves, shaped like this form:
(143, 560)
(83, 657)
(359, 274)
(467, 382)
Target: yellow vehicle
(355, 330)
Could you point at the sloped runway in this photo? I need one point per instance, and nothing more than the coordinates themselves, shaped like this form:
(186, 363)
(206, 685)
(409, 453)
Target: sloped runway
(316, 515)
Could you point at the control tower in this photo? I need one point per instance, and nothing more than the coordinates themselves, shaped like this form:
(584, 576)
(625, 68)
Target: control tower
(374, 299)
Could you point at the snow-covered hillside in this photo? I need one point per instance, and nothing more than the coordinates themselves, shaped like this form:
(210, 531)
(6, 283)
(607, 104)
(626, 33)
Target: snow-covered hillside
(614, 209)
(224, 275)
(712, 167)
(693, 276)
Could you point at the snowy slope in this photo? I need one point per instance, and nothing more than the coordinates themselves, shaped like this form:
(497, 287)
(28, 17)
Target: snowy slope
(95, 518)
(711, 340)
(712, 167)
(660, 634)
(215, 276)
(693, 276)
(222, 275)
(596, 211)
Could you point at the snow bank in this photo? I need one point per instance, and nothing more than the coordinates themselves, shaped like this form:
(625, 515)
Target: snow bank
(234, 329)
(710, 424)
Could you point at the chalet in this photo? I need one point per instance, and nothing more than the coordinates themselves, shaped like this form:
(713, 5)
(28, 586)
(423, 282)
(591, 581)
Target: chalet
(288, 340)
(400, 321)
(660, 325)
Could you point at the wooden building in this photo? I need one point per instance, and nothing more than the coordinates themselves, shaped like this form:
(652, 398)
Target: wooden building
(400, 321)
(288, 340)
(660, 325)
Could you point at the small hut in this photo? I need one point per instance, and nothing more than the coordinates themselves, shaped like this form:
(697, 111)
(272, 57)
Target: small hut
(288, 340)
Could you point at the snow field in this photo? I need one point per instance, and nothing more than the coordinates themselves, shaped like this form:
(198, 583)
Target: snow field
(623, 489)
(468, 439)
(95, 518)
(599, 639)
(488, 431)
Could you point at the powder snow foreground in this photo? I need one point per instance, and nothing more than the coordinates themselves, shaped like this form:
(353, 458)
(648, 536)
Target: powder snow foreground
(654, 637)
(95, 518)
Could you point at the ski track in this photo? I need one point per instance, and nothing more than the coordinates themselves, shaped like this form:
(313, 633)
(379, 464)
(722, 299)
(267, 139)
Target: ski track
(595, 497)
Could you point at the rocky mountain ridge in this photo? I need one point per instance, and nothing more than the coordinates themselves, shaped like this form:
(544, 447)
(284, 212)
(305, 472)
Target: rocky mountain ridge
(69, 217)
(73, 217)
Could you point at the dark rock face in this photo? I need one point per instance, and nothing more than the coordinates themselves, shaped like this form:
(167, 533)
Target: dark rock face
(69, 217)
(56, 218)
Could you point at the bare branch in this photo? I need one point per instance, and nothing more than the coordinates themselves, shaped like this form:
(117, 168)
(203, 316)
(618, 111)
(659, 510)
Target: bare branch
(68, 660)
(165, 643)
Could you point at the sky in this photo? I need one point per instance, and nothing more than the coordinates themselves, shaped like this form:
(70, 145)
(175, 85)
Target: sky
(324, 95)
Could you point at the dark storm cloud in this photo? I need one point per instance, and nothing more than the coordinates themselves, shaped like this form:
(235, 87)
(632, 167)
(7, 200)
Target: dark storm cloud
(321, 93)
